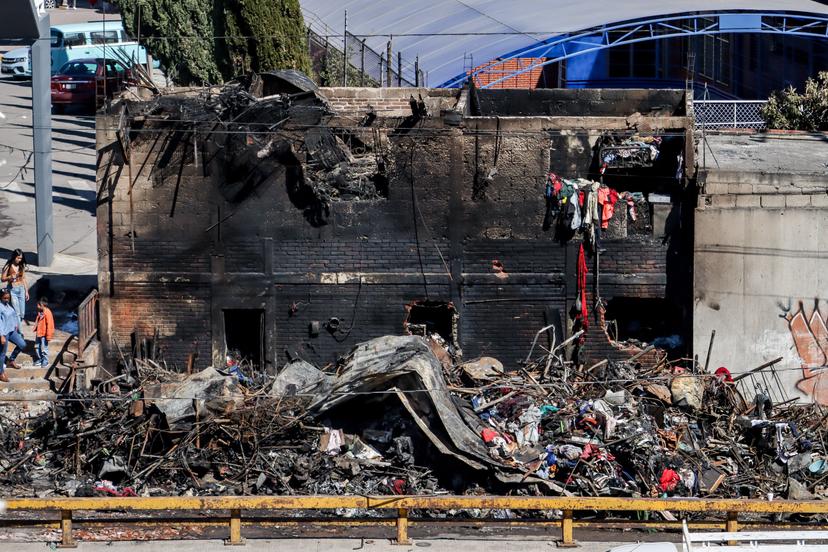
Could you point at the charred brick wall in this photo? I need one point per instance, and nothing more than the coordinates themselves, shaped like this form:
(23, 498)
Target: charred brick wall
(175, 254)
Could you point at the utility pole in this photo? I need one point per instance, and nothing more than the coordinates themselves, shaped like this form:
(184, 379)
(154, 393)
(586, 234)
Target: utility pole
(42, 142)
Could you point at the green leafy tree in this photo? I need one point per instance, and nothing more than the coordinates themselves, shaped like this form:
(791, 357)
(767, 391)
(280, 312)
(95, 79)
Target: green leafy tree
(789, 110)
(211, 41)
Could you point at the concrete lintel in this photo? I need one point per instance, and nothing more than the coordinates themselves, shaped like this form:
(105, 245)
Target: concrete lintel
(528, 123)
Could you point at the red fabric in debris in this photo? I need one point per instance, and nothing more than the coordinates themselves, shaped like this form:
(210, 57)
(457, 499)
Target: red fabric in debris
(669, 480)
(724, 374)
(488, 435)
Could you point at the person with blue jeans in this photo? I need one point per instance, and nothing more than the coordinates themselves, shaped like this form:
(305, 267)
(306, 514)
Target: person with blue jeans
(44, 332)
(9, 332)
(14, 276)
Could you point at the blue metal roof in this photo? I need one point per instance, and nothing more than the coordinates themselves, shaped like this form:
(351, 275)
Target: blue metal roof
(450, 36)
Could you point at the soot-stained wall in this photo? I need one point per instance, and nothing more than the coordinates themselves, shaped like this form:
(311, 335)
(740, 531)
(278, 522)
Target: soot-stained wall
(462, 221)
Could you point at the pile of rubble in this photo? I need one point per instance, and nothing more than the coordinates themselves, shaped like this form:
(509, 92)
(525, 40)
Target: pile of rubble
(400, 415)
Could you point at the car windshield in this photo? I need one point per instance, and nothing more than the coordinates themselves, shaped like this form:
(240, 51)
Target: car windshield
(79, 68)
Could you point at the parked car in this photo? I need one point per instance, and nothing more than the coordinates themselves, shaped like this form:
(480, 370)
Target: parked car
(88, 82)
(78, 41)
(17, 62)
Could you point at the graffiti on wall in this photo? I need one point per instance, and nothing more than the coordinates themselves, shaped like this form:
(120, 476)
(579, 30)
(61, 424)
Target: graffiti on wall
(810, 336)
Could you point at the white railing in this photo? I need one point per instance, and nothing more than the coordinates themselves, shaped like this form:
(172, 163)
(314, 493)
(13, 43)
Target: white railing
(715, 114)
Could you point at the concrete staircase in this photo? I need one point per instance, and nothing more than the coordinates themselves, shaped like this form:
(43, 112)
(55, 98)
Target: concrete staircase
(28, 384)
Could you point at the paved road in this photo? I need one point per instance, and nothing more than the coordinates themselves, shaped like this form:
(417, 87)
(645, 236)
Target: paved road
(73, 143)
(327, 545)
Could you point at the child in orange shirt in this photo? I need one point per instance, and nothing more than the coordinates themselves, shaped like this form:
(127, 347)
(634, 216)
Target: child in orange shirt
(44, 332)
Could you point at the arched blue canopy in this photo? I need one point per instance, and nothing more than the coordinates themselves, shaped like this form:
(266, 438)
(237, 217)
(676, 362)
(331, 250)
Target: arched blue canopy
(450, 37)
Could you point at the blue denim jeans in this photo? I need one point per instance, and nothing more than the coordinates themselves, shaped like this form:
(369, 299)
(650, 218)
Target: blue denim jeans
(20, 343)
(42, 351)
(18, 300)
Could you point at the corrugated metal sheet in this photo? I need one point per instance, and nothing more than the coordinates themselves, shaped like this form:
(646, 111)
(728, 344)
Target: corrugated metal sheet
(525, 21)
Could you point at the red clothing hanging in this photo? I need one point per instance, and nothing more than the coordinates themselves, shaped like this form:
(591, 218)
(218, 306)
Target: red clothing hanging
(582, 281)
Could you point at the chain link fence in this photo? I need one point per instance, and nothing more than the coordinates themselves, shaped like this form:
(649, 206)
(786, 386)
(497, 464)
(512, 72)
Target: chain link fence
(365, 66)
(714, 114)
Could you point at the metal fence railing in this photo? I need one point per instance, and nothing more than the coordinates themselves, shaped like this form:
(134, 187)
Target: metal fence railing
(87, 321)
(715, 114)
(367, 66)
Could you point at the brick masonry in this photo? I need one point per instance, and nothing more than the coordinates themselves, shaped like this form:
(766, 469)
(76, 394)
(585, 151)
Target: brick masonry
(175, 253)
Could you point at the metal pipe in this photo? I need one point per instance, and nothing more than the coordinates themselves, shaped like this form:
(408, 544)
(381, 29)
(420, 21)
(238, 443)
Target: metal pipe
(709, 350)
(388, 71)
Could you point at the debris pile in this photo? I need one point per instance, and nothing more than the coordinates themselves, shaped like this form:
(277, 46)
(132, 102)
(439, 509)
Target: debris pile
(400, 415)
(221, 129)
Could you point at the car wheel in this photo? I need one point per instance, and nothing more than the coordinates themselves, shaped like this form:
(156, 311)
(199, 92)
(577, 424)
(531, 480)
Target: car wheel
(50, 4)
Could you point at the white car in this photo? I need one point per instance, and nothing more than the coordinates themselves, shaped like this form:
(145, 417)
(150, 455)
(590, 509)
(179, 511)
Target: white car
(17, 62)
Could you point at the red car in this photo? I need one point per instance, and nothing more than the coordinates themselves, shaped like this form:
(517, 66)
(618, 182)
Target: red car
(84, 82)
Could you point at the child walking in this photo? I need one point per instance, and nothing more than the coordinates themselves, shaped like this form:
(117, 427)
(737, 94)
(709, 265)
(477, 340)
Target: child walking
(44, 331)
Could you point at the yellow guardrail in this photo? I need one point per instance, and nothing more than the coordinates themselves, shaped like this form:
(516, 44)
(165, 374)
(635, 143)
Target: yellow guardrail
(403, 504)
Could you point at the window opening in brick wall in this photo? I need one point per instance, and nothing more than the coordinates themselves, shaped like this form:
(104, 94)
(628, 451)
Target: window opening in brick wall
(655, 321)
(244, 337)
(432, 317)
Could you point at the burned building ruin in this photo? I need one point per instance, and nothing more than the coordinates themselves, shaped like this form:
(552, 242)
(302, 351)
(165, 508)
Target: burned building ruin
(278, 221)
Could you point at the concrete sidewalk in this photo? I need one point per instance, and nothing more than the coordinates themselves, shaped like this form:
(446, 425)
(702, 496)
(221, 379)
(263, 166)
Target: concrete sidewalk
(319, 545)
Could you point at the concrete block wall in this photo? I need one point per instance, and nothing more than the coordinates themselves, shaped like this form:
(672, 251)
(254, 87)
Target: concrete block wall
(760, 265)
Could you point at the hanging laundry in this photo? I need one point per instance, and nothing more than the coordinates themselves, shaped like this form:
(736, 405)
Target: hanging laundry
(607, 198)
(575, 207)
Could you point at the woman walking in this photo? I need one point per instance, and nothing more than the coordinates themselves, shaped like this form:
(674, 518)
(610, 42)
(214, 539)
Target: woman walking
(14, 278)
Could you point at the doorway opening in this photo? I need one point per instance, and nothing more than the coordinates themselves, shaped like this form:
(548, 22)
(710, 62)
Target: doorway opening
(244, 338)
(433, 317)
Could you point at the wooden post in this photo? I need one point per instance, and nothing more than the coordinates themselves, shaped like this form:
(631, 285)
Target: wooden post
(417, 71)
(402, 526)
(399, 69)
(235, 529)
(66, 540)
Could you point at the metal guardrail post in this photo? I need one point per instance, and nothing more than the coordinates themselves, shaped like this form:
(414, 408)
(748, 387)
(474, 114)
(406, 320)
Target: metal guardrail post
(402, 526)
(732, 525)
(235, 529)
(567, 540)
(66, 540)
